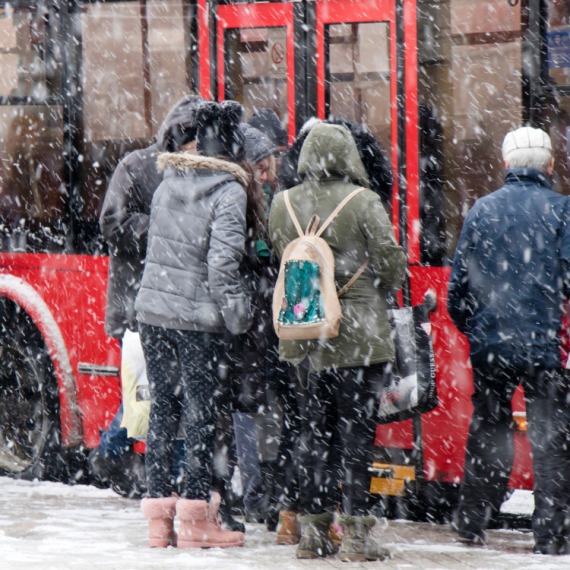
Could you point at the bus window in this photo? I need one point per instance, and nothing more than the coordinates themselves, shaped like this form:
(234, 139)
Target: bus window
(33, 197)
(357, 76)
(136, 63)
(470, 96)
(558, 102)
(29, 67)
(256, 69)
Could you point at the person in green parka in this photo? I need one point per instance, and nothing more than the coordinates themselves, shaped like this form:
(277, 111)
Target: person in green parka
(340, 379)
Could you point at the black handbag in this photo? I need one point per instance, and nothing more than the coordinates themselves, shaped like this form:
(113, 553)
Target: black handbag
(411, 386)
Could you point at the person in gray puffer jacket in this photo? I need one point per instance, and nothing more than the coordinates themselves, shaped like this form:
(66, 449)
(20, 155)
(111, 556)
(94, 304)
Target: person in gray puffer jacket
(191, 294)
(125, 214)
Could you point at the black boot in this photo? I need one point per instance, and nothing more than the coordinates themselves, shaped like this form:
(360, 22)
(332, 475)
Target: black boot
(228, 521)
(227, 510)
(270, 507)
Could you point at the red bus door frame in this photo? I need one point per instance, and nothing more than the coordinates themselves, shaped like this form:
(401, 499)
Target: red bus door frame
(347, 11)
(231, 16)
(440, 436)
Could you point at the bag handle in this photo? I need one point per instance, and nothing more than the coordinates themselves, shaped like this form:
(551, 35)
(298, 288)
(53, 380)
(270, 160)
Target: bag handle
(313, 225)
(292, 214)
(337, 210)
(353, 279)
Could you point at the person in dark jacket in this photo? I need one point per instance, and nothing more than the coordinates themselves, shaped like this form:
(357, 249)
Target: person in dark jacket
(508, 281)
(124, 223)
(190, 295)
(125, 214)
(254, 358)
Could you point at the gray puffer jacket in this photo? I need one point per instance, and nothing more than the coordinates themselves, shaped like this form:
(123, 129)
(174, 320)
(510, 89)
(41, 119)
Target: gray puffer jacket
(195, 245)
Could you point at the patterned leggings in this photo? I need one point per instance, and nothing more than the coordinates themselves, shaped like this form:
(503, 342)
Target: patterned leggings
(182, 370)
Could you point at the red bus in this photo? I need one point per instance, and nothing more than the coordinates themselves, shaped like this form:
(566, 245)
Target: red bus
(438, 82)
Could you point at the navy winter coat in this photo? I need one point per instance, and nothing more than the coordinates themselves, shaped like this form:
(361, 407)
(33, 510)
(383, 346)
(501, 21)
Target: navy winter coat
(510, 272)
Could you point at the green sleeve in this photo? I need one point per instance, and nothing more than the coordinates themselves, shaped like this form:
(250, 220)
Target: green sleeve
(386, 256)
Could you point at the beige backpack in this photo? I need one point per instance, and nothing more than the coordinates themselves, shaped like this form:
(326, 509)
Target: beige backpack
(305, 300)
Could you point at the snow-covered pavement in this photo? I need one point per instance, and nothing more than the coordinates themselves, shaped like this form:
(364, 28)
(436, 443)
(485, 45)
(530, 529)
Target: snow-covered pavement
(54, 527)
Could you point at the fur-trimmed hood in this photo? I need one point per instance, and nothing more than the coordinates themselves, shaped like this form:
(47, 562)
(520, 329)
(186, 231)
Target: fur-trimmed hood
(183, 160)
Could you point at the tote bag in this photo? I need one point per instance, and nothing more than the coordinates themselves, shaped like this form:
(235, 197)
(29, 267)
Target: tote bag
(136, 395)
(411, 387)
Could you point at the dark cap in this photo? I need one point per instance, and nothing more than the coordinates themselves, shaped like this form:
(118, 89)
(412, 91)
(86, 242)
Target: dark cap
(269, 124)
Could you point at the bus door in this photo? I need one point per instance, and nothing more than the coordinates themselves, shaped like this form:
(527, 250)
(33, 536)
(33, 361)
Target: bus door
(357, 63)
(255, 58)
(356, 66)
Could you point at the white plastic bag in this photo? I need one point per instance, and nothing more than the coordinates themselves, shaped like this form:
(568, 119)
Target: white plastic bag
(136, 395)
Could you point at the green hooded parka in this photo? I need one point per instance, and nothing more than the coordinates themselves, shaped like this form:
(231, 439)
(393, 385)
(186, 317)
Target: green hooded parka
(330, 168)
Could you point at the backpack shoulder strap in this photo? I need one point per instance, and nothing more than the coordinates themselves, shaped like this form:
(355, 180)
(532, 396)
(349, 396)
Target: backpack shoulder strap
(292, 214)
(337, 210)
(353, 279)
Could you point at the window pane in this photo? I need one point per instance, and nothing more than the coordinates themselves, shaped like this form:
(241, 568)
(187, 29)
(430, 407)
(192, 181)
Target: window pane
(136, 64)
(558, 103)
(256, 69)
(470, 95)
(29, 62)
(113, 71)
(33, 195)
(170, 56)
(358, 75)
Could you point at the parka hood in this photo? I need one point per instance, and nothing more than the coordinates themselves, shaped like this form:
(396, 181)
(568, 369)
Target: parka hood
(183, 160)
(330, 152)
(180, 115)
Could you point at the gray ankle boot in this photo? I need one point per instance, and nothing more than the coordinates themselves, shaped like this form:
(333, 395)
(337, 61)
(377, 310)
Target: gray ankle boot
(357, 543)
(315, 541)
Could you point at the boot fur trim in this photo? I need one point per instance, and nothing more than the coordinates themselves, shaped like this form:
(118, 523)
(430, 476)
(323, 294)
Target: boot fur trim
(159, 508)
(189, 510)
(319, 521)
(348, 520)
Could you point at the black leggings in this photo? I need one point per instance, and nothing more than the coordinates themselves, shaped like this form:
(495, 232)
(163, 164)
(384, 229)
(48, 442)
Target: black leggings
(182, 370)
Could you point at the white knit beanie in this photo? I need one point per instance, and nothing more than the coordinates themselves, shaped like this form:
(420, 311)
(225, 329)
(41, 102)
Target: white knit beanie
(527, 147)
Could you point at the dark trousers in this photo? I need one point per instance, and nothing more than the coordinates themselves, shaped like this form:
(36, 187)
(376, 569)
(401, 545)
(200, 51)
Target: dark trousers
(286, 477)
(182, 370)
(338, 410)
(490, 447)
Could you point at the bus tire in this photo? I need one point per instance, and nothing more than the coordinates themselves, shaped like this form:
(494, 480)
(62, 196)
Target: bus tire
(30, 426)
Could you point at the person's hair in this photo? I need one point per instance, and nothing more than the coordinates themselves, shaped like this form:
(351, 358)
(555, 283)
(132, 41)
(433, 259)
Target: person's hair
(271, 172)
(528, 148)
(255, 211)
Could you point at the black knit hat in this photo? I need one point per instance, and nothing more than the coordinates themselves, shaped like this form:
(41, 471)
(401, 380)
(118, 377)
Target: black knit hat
(219, 133)
(269, 124)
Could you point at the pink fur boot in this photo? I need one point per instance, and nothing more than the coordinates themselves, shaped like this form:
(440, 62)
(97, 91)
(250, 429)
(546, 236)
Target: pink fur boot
(199, 530)
(160, 515)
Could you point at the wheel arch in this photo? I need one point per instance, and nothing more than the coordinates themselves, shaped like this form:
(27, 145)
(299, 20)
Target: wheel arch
(23, 294)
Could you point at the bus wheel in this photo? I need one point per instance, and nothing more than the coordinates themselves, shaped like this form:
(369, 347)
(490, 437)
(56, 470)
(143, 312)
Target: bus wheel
(30, 429)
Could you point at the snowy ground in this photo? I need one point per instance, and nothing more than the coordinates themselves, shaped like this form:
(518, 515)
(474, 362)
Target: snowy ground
(52, 526)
